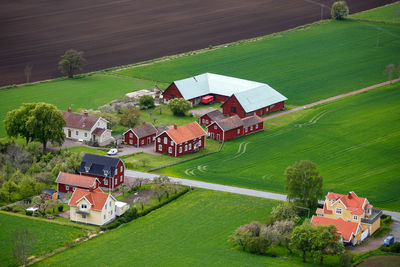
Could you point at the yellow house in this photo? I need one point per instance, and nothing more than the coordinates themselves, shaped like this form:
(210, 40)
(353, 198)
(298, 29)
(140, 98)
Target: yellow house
(351, 210)
(92, 206)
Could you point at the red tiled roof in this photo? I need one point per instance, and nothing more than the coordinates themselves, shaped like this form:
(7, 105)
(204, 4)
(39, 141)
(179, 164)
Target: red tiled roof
(351, 201)
(346, 229)
(326, 210)
(75, 180)
(98, 131)
(368, 206)
(320, 211)
(186, 132)
(79, 121)
(97, 198)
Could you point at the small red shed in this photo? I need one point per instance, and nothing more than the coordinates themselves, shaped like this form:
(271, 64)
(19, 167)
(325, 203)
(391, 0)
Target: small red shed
(252, 124)
(140, 136)
(226, 129)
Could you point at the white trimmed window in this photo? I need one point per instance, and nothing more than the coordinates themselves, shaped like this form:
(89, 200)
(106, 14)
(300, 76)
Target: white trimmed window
(256, 126)
(142, 142)
(121, 169)
(130, 135)
(115, 180)
(159, 139)
(131, 141)
(206, 121)
(120, 179)
(66, 187)
(159, 147)
(251, 128)
(180, 149)
(185, 147)
(245, 130)
(83, 206)
(154, 138)
(170, 150)
(215, 127)
(85, 134)
(165, 140)
(238, 131)
(190, 146)
(199, 142)
(338, 211)
(355, 217)
(106, 181)
(76, 132)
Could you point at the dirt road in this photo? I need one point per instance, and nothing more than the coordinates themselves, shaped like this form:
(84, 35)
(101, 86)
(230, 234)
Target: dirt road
(113, 33)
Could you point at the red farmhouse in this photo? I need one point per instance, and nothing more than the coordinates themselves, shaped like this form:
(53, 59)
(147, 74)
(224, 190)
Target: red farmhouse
(210, 117)
(177, 141)
(239, 96)
(67, 182)
(109, 171)
(140, 136)
(232, 127)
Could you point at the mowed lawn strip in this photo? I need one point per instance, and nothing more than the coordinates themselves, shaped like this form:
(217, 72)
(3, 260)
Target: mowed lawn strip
(306, 64)
(47, 236)
(88, 92)
(389, 13)
(354, 141)
(191, 231)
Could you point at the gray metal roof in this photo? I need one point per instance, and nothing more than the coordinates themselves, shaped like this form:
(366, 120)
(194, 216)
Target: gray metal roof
(254, 95)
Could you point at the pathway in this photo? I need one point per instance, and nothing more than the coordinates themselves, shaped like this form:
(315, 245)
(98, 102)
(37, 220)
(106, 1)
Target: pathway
(330, 99)
(232, 189)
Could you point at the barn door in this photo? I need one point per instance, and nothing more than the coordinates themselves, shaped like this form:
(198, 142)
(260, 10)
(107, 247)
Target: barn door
(218, 137)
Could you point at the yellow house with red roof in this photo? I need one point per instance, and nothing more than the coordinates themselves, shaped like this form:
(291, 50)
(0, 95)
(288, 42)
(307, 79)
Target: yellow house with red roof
(354, 217)
(92, 206)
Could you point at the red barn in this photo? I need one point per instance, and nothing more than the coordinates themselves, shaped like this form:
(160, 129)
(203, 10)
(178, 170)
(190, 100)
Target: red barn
(239, 96)
(109, 171)
(142, 135)
(67, 182)
(210, 117)
(177, 141)
(226, 129)
(252, 124)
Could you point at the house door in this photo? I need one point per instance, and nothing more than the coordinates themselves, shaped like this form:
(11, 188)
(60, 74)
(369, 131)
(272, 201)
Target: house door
(218, 137)
(69, 133)
(148, 140)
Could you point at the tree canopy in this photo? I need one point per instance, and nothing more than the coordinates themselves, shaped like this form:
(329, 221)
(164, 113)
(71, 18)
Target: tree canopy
(304, 184)
(71, 62)
(339, 10)
(130, 117)
(179, 106)
(146, 102)
(15, 122)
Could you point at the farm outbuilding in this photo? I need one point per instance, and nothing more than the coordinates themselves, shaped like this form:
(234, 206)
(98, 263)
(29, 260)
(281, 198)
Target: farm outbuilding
(67, 182)
(210, 117)
(252, 124)
(142, 135)
(177, 141)
(239, 96)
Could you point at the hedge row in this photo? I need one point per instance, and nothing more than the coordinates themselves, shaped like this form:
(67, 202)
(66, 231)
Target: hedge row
(133, 214)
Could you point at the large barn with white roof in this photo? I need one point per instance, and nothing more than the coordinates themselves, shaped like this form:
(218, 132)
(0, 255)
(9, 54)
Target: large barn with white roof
(239, 96)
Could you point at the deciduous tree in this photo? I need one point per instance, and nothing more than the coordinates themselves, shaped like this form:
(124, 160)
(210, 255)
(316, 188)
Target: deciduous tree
(71, 62)
(146, 102)
(326, 242)
(339, 10)
(179, 106)
(285, 211)
(15, 122)
(46, 123)
(304, 184)
(130, 117)
(302, 238)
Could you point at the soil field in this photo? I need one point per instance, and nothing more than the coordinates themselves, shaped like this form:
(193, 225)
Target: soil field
(113, 33)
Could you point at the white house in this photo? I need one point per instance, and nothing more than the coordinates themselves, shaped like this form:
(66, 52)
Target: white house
(87, 128)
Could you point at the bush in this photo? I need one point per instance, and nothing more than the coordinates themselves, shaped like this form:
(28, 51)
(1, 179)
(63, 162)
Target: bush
(179, 106)
(146, 102)
(395, 248)
(28, 213)
(386, 219)
(60, 208)
(339, 10)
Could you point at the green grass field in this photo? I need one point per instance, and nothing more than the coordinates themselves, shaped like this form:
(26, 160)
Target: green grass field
(389, 13)
(85, 149)
(306, 64)
(47, 236)
(354, 142)
(191, 231)
(88, 92)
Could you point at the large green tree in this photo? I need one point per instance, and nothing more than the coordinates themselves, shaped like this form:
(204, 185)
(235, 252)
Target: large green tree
(304, 184)
(179, 106)
(45, 123)
(325, 242)
(71, 62)
(130, 117)
(302, 238)
(15, 122)
(339, 10)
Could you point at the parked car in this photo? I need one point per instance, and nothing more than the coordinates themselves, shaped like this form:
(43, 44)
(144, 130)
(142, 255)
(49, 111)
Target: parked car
(388, 240)
(112, 151)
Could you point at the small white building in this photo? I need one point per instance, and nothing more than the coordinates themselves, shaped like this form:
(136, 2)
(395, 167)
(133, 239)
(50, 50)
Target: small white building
(121, 208)
(87, 128)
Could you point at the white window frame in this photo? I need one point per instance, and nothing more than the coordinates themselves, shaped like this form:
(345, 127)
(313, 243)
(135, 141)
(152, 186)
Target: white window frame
(256, 126)
(67, 187)
(251, 128)
(130, 135)
(199, 142)
(76, 133)
(190, 146)
(180, 149)
(172, 143)
(170, 150)
(165, 140)
(85, 134)
(355, 217)
(131, 141)
(160, 147)
(246, 130)
(215, 127)
(185, 147)
(83, 206)
(120, 178)
(238, 131)
(142, 142)
(159, 139)
(105, 181)
(338, 211)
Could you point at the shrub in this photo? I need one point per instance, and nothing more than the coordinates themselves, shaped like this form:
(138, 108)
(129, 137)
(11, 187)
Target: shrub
(179, 106)
(28, 213)
(60, 208)
(386, 219)
(339, 10)
(146, 101)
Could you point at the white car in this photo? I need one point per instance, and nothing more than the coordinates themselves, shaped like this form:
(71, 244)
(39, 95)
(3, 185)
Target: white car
(113, 151)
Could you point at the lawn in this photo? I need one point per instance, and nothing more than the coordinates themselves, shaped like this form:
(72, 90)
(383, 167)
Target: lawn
(47, 236)
(85, 149)
(135, 161)
(191, 231)
(354, 142)
(389, 13)
(306, 64)
(88, 92)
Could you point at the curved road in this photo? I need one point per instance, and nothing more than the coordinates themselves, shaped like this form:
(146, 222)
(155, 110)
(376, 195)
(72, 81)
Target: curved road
(231, 189)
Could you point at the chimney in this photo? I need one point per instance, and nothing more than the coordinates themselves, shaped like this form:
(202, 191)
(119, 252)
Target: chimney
(69, 109)
(86, 113)
(90, 188)
(349, 195)
(175, 126)
(144, 123)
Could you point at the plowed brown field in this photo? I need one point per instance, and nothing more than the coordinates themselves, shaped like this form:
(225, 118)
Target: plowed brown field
(119, 32)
